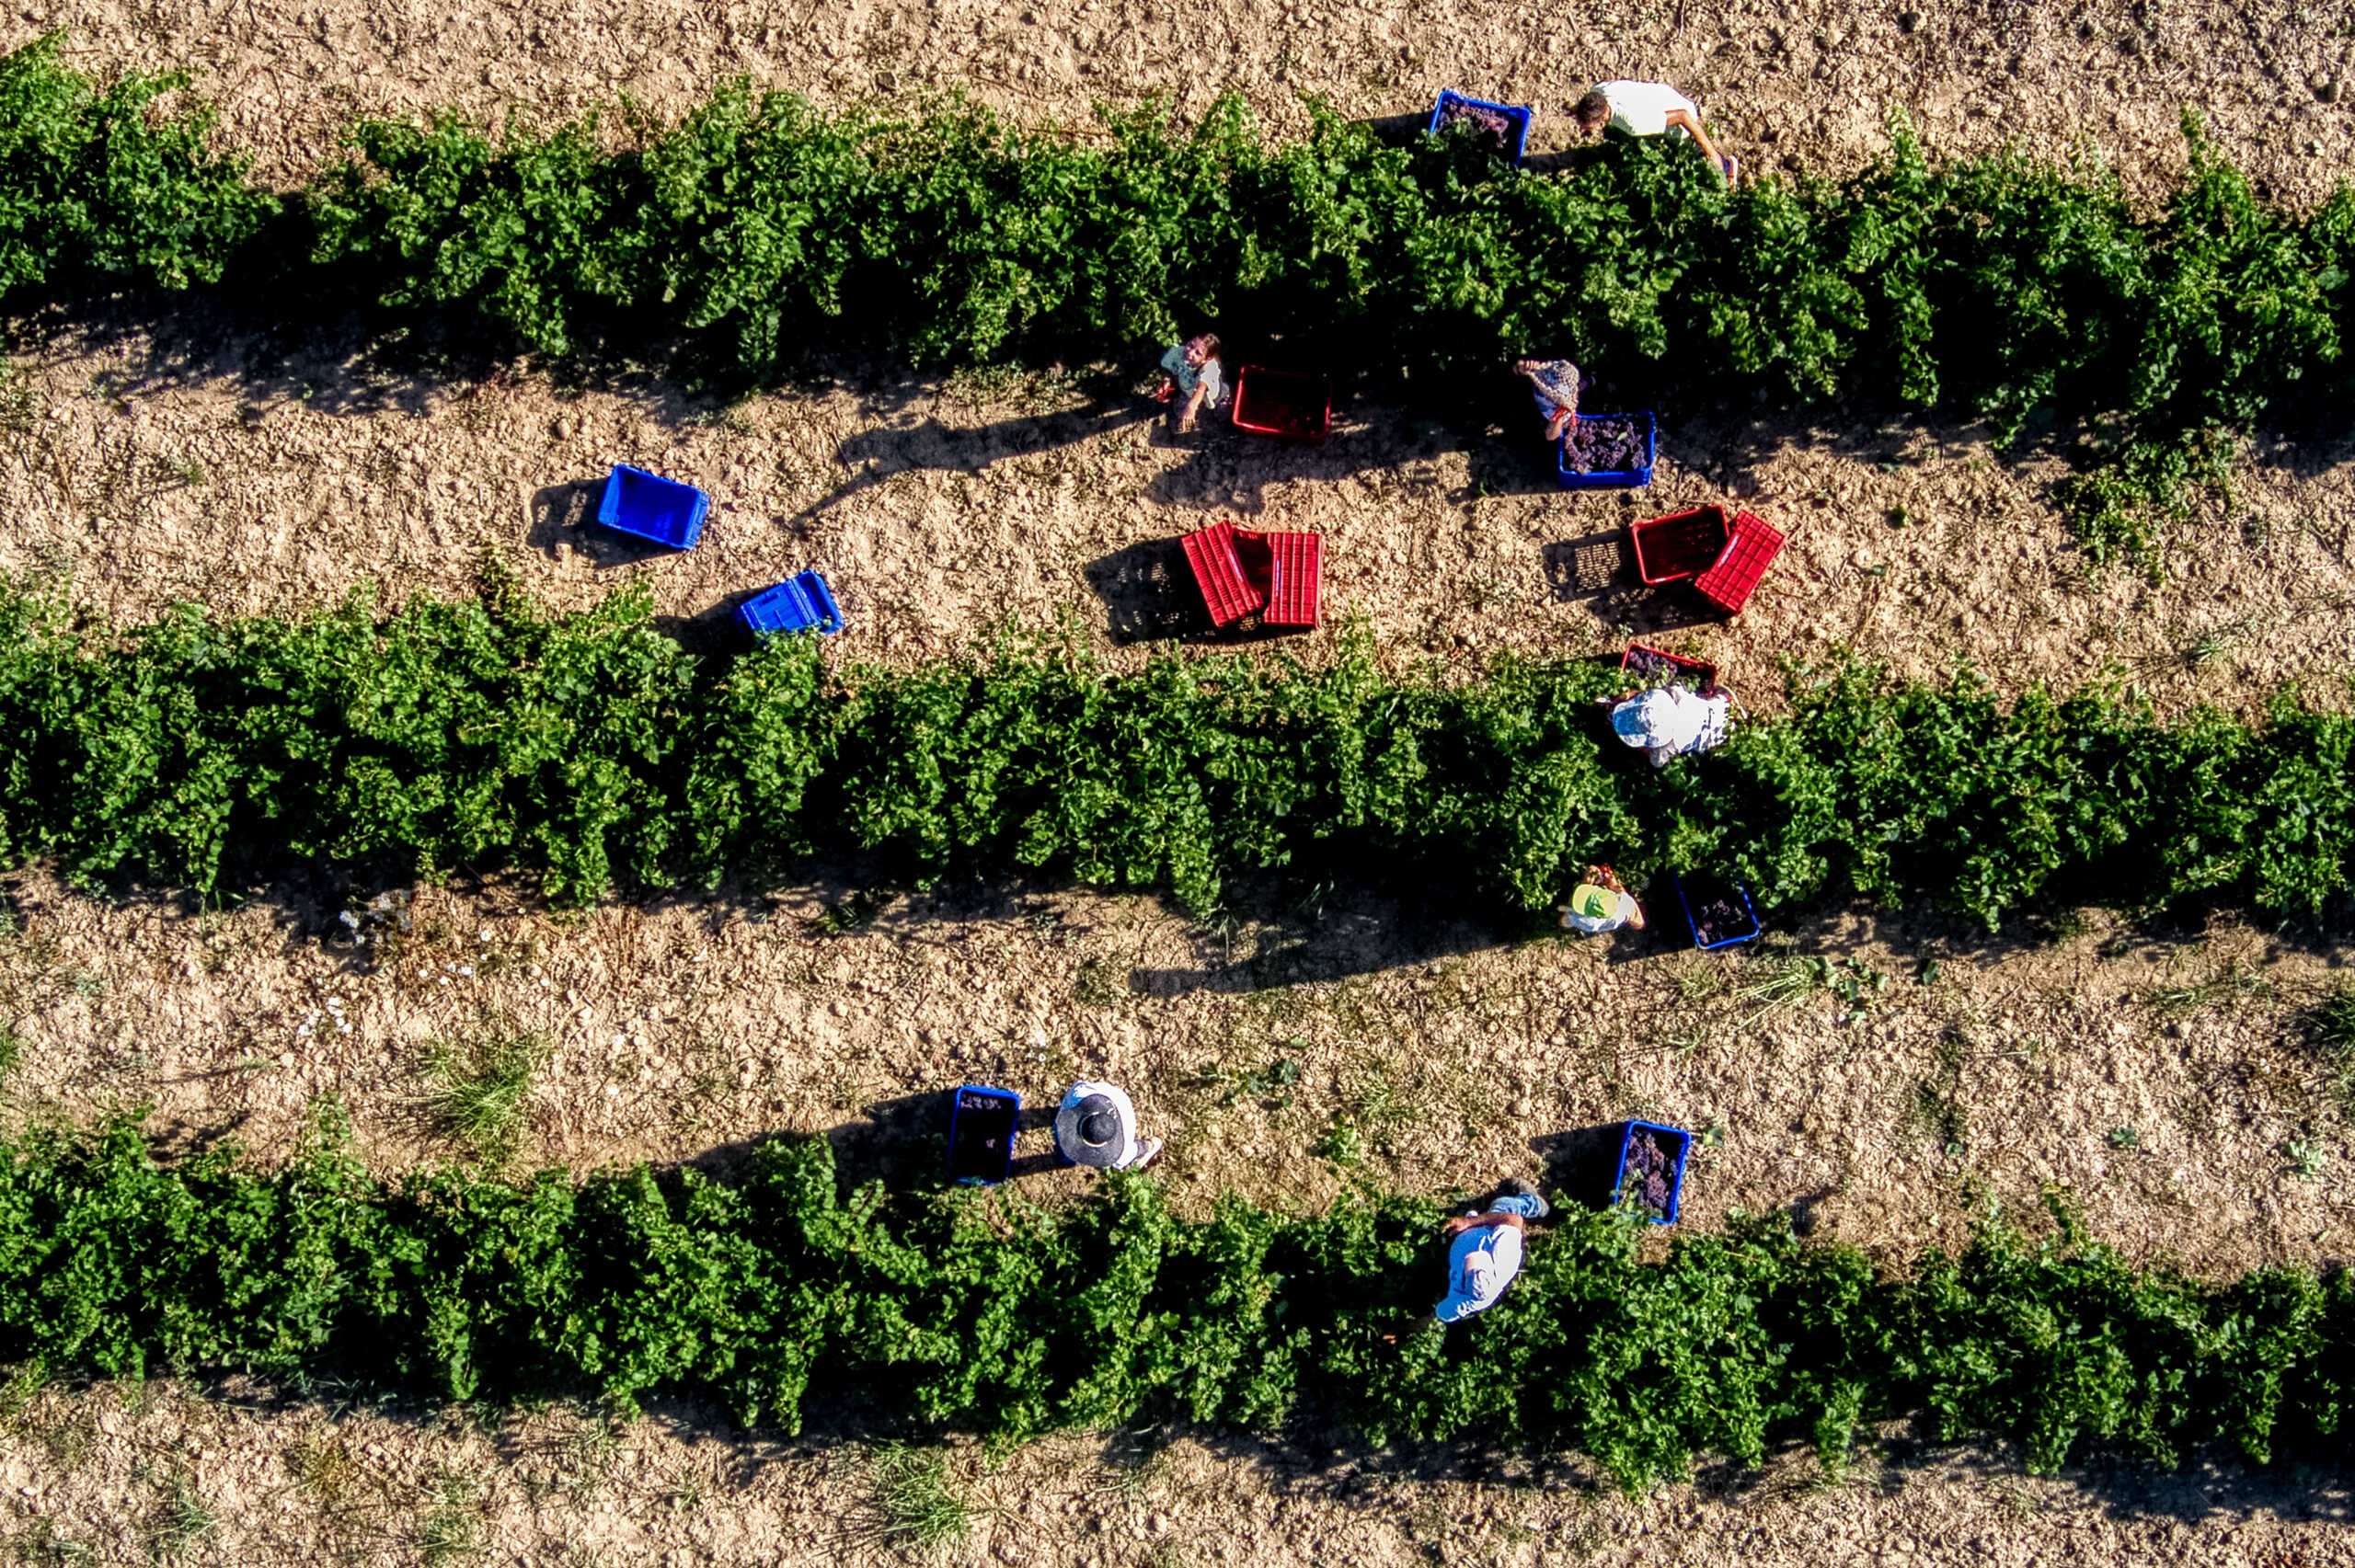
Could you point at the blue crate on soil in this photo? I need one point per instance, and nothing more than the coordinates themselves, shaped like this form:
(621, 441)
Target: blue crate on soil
(1672, 1141)
(800, 603)
(982, 1123)
(1610, 478)
(1519, 114)
(1699, 894)
(652, 507)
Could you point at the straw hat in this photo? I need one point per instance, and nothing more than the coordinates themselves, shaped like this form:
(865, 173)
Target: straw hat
(1089, 1132)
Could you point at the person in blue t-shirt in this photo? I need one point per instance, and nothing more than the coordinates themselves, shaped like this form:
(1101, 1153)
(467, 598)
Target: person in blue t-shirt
(1484, 1253)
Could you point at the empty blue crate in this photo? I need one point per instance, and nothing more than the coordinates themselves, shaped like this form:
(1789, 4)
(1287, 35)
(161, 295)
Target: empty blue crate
(800, 603)
(1633, 477)
(1516, 118)
(1651, 1179)
(982, 1125)
(652, 507)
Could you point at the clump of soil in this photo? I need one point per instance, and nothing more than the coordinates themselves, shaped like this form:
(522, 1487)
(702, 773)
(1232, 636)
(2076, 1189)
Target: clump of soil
(1608, 444)
(1647, 1176)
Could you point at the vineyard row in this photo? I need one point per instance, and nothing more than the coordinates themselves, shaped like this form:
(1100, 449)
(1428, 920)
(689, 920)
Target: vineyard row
(592, 751)
(2028, 293)
(780, 1295)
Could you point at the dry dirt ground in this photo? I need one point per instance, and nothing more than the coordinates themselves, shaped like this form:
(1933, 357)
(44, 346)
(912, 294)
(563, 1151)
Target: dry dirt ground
(2164, 1084)
(1812, 80)
(166, 1473)
(941, 511)
(2159, 1077)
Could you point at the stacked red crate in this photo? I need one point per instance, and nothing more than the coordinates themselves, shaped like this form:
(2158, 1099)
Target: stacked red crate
(1218, 571)
(1241, 570)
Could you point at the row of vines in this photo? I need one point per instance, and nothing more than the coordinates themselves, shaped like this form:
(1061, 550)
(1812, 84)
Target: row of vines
(591, 751)
(782, 1296)
(2031, 294)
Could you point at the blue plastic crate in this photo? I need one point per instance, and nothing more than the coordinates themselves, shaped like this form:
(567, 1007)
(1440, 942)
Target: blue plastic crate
(652, 507)
(800, 603)
(1610, 478)
(1661, 1137)
(982, 1123)
(1519, 114)
(1706, 889)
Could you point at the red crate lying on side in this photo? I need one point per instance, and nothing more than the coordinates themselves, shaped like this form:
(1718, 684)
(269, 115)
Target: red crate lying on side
(1240, 570)
(1680, 545)
(1218, 572)
(1751, 545)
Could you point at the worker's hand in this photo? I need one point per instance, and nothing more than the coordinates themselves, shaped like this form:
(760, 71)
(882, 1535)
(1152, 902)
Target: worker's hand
(1458, 1225)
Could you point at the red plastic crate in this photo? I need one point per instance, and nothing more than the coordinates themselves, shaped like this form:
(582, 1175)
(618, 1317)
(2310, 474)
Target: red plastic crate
(1218, 571)
(1750, 547)
(1295, 566)
(1703, 673)
(1680, 545)
(1283, 403)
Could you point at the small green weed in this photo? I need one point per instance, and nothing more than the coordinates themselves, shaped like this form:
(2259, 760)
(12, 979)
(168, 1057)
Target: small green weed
(480, 1088)
(918, 1508)
(450, 1531)
(189, 1522)
(1267, 1084)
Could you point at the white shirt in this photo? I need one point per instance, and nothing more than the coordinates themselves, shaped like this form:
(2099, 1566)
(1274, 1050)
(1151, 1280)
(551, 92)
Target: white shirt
(1671, 721)
(1641, 108)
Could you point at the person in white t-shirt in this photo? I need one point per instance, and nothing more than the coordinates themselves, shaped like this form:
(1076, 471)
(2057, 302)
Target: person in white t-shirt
(1646, 109)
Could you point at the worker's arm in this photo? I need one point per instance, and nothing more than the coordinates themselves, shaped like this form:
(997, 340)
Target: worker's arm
(1691, 122)
(1463, 1223)
(1193, 405)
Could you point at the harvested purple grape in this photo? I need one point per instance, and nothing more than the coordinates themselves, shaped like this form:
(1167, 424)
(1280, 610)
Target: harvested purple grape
(1490, 126)
(1605, 446)
(1649, 1178)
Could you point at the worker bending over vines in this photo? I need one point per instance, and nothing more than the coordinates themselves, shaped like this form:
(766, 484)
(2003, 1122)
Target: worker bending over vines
(1648, 108)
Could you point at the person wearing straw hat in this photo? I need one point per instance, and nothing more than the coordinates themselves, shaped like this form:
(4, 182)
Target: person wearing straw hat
(1668, 722)
(1096, 1126)
(1600, 903)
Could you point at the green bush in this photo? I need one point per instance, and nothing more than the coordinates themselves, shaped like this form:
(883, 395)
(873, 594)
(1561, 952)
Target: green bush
(974, 1310)
(591, 751)
(2001, 287)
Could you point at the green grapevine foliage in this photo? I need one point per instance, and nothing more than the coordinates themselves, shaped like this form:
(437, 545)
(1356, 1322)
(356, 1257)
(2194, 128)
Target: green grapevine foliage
(971, 1309)
(592, 751)
(2000, 287)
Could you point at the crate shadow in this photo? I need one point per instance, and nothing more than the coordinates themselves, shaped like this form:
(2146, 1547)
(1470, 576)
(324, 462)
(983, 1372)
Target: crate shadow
(564, 516)
(1598, 571)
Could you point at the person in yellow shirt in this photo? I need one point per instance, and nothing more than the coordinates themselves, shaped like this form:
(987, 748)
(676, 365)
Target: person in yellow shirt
(1600, 903)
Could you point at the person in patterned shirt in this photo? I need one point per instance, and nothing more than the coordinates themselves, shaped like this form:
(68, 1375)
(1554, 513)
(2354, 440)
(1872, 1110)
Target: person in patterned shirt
(1554, 384)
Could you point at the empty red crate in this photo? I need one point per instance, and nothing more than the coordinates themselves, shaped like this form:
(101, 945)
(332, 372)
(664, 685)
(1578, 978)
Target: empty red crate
(1282, 403)
(1240, 570)
(1640, 660)
(1218, 571)
(1295, 563)
(1750, 547)
(1680, 545)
